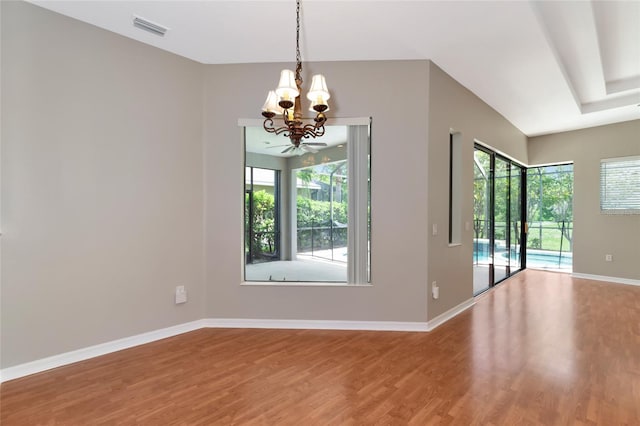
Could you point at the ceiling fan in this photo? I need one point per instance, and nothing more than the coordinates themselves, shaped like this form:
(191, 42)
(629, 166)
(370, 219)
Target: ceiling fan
(300, 147)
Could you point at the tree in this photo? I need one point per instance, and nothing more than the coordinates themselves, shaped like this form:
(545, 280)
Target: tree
(481, 188)
(550, 197)
(263, 223)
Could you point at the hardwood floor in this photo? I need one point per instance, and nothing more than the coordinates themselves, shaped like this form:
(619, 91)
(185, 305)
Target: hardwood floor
(542, 348)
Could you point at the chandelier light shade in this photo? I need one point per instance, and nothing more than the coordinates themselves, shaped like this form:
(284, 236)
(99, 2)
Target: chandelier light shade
(271, 104)
(318, 92)
(287, 88)
(286, 102)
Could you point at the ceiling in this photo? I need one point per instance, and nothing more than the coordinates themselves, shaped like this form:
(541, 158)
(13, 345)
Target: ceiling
(546, 66)
(261, 142)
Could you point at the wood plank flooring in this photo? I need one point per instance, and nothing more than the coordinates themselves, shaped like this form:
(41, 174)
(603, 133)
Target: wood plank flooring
(541, 349)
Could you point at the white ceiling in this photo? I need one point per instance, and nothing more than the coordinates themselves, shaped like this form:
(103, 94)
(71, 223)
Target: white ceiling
(546, 66)
(261, 142)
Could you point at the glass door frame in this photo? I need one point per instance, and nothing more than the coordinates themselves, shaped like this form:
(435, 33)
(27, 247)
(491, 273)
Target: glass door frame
(492, 228)
(249, 231)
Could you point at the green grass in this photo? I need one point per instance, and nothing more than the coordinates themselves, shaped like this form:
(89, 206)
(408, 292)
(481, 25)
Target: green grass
(549, 240)
(551, 237)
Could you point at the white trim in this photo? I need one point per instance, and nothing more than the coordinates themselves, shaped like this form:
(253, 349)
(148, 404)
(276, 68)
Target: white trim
(66, 358)
(446, 316)
(250, 122)
(302, 284)
(331, 121)
(622, 85)
(497, 151)
(54, 361)
(609, 279)
(316, 324)
(349, 121)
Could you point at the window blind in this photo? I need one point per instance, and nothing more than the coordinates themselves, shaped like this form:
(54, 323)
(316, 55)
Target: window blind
(620, 185)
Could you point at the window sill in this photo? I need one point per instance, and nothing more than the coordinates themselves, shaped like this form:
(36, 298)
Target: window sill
(299, 284)
(455, 245)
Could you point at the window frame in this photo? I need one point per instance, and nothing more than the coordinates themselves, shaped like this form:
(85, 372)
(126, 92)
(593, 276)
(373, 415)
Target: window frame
(359, 272)
(455, 188)
(610, 197)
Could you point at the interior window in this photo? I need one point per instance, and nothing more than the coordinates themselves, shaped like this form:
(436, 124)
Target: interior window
(307, 207)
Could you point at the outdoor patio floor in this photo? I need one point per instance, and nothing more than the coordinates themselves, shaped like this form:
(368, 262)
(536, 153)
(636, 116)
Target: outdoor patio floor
(305, 268)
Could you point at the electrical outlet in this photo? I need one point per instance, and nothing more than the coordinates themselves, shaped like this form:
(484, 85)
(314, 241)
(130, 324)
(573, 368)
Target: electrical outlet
(181, 294)
(434, 229)
(435, 290)
(608, 257)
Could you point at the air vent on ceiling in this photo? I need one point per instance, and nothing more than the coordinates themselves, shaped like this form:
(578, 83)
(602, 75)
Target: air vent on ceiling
(152, 27)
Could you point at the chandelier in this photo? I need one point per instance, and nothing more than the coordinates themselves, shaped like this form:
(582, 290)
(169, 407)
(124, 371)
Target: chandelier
(285, 101)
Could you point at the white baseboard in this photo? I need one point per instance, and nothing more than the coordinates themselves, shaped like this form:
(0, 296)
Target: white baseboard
(48, 363)
(609, 279)
(446, 316)
(316, 324)
(66, 358)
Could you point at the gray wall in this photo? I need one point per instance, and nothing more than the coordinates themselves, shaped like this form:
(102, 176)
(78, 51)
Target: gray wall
(122, 177)
(101, 185)
(452, 106)
(399, 198)
(596, 234)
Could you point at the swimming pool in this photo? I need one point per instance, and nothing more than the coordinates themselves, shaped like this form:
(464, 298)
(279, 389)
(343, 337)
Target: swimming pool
(535, 258)
(549, 260)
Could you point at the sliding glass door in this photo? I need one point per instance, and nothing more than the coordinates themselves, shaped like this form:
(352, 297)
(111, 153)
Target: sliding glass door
(516, 210)
(498, 212)
(501, 219)
(482, 220)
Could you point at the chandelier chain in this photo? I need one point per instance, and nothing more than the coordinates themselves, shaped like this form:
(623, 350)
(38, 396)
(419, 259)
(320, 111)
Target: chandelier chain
(298, 58)
(294, 127)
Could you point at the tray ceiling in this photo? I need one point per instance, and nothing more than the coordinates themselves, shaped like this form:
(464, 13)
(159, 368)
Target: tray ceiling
(545, 66)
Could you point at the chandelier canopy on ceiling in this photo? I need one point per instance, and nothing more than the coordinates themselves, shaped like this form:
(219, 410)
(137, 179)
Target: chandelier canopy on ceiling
(285, 101)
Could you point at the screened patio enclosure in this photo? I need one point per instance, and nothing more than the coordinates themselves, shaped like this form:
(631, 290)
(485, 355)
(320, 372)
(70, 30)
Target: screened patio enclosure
(550, 217)
(322, 211)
